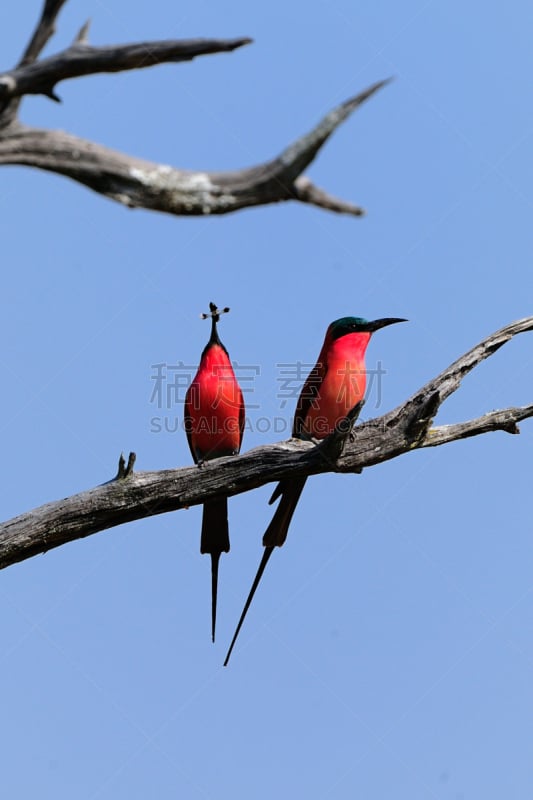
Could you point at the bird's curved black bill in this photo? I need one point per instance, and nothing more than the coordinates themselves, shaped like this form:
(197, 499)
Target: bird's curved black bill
(382, 323)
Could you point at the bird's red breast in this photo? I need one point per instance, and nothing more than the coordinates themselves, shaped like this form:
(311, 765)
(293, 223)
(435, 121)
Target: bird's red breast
(334, 386)
(214, 407)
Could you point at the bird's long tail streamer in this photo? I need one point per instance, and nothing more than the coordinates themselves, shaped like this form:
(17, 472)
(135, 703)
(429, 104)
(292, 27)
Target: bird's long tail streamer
(214, 587)
(262, 565)
(215, 540)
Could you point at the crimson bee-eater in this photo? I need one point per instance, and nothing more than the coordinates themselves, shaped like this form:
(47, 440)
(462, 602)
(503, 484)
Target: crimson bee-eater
(214, 424)
(334, 387)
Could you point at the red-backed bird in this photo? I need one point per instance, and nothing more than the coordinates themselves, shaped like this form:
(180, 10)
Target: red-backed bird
(214, 423)
(335, 385)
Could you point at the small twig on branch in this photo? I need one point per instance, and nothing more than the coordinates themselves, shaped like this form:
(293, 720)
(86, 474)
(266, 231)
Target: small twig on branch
(146, 494)
(125, 470)
(83, 33)
(306, 192)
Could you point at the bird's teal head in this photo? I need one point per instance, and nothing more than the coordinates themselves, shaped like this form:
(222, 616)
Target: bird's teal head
(345, 325)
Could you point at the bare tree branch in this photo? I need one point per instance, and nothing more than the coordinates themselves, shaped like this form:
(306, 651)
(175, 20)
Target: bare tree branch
(134, 182)
(43, 32)
(505, 420)
(81, 59)
(144, 184)
(137, 495)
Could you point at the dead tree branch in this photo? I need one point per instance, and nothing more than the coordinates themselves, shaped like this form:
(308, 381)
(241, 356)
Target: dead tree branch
(43, 32)
(81, 59)
(136, 495)
(142, 184)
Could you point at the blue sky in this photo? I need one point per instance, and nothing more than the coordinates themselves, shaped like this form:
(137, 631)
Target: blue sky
(389, 649)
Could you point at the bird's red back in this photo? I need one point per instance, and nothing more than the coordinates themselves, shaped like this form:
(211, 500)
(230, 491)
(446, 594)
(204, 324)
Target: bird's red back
(214, 407)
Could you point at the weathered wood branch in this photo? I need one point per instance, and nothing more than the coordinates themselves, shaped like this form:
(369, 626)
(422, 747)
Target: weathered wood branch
(136, 495)
(134, 182)
(144, 184)
(41, 77)
(43, 32)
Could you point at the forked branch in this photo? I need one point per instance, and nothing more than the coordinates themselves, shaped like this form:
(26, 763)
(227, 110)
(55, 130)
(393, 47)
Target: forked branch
(136, 495)
(142, 184)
